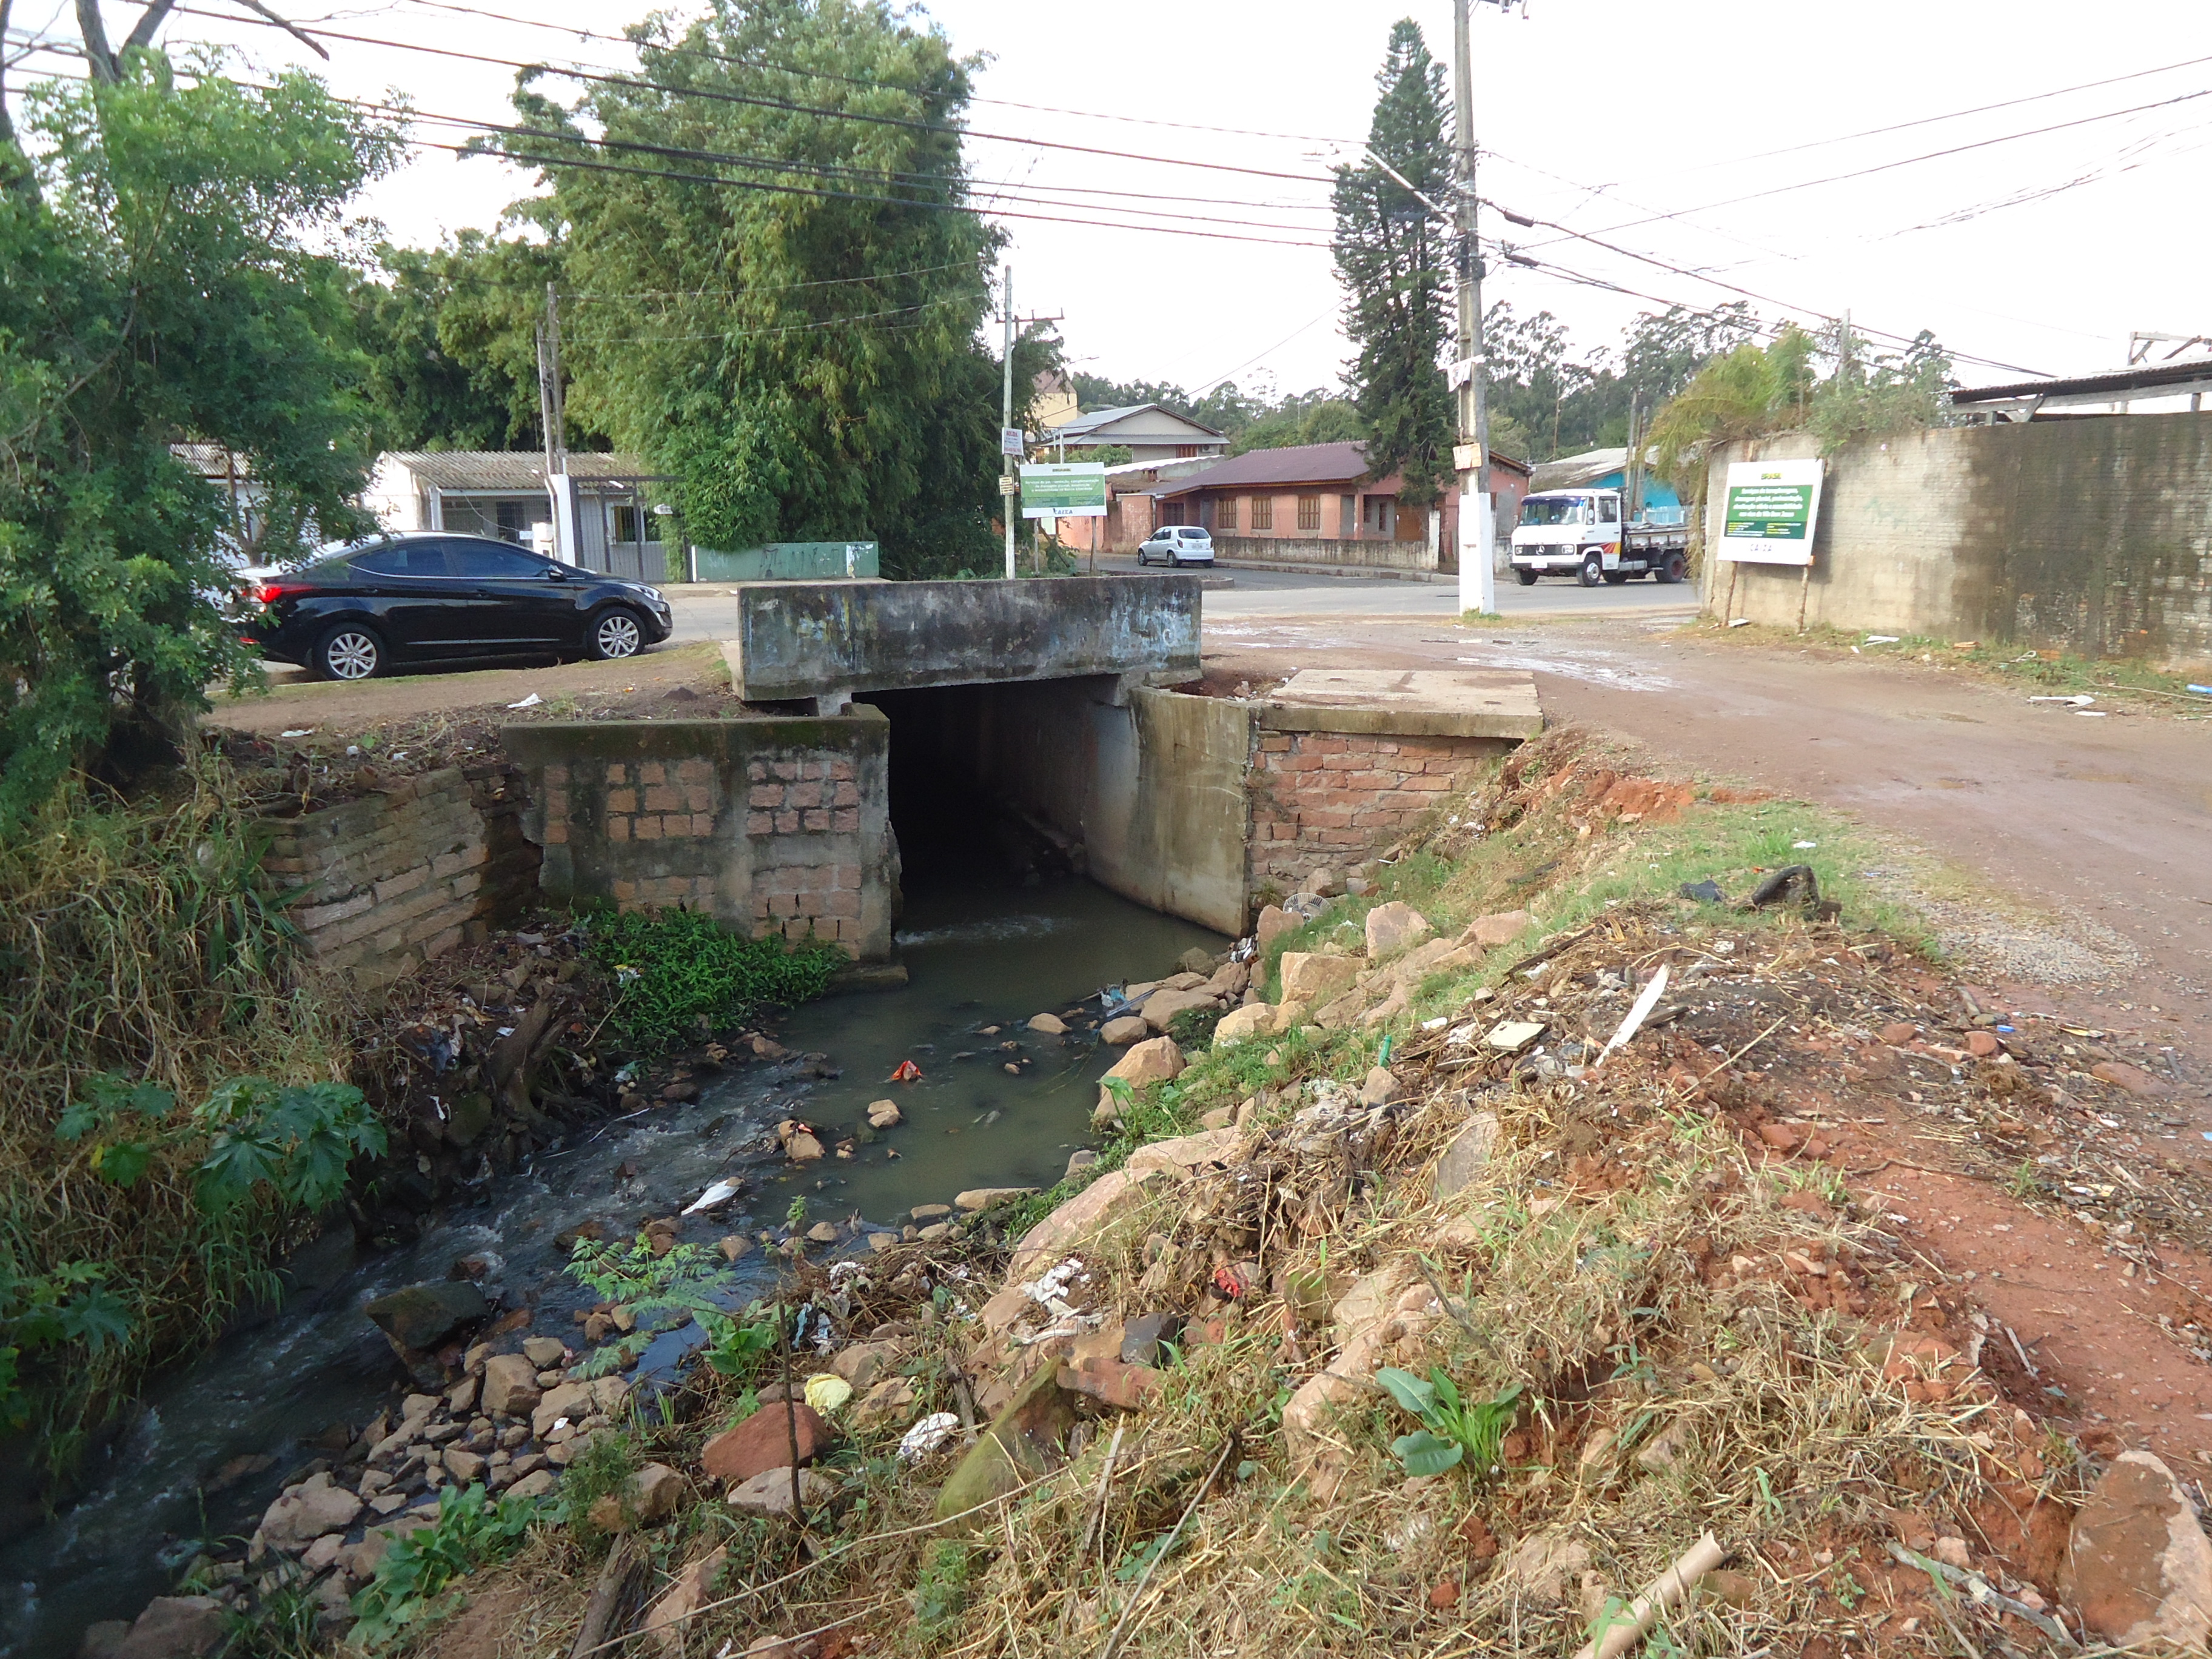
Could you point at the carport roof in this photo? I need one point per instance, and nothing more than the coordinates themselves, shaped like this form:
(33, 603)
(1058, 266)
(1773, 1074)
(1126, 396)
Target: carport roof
(514, 469)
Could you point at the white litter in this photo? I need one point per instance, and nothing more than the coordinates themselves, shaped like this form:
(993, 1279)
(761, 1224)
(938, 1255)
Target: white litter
(2092, 714)
(1880, 639)
(927, 1435)
(1637, 1015)
(1436, 1024)
(1804, 846)
(2080, 700)
(302, 731)
(1741, 621)
(720, 1193)
(530, 701)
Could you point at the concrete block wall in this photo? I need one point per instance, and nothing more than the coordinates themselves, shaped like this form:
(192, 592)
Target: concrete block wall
(409, 872)
(774, 826)
(1333, 552)
(1338, 798)
(2093, 535)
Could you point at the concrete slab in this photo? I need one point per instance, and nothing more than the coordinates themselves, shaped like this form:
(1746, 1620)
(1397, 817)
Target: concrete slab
(1467, 702)
(825, 640)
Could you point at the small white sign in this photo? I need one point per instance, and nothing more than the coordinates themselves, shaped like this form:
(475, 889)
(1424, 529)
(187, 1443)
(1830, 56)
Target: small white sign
(1770, 512)
(1012, 440)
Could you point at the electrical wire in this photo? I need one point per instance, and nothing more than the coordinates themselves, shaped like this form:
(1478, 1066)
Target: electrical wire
(716, 94)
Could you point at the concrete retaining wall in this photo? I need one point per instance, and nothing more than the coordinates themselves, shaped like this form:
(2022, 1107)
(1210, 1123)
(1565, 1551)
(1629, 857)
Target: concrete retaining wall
(1331, 551)
(409, 872)
(815, 640)
(2093, 535)
(774, 826)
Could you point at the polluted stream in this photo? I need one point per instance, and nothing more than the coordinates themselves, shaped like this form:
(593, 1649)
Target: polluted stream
(210, 1446)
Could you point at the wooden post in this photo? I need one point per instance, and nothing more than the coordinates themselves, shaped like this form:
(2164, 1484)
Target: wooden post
(1728, 605)
(1804, 590)
(791, 1415)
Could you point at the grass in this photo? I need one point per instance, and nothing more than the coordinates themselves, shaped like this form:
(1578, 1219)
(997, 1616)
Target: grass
(137, 940)
(683, 975)
(2032, 673)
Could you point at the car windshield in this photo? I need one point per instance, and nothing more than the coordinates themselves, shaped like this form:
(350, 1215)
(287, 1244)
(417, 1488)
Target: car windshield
(1553, 509)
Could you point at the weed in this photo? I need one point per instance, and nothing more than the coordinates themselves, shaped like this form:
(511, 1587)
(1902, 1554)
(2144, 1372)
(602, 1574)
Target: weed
(2023, 1183)
(1453, 1431)
(603, 1470)
(940, 1594)
(682, 974)
(471, 1532)
(681, 1282)
(795, 1216)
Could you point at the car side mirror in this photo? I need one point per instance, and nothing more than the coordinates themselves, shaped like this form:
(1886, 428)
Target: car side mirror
(555, 573)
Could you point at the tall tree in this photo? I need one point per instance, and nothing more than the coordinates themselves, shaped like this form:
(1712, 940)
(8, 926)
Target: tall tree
(168, 280)
(1391, 255)
(805, 360)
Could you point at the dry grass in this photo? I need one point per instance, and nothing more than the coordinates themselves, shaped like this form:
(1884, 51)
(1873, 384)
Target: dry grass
(138, 939)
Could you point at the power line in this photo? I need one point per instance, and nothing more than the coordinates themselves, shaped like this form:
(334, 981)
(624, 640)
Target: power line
(673, 49)
(716, 94)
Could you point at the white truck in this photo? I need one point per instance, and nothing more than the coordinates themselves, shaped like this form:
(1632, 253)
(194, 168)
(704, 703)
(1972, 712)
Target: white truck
(1583, 534)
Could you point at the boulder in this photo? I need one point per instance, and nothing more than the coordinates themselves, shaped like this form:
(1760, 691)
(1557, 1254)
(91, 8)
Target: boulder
(544, 1351)
(763, 1441)
(863, 1362)
(1105, 1204)
(2138, 1565)
(1023, 1442)
(1379, 1087)
(510, 1385)
(175, 1627)
(535, 1484)
(1311, 978)
(1545, 1566)
(1161, 1006)
(1185, 981)
(1254, 1019)
(1323, 883)
(1499, 927)
(1127, 1029)
(303, 1513)
(889, 1405)
(1147, 1063)
(824, 1232)
(669, 1620)
(575, 1401)
(1467, 1155)
(1229, 980)
(1196, 960)
(100, 1638)
(885, 1114)
(985, 1198)
(1048, 1024)
(1394, 927)
(651, 1496)
(769, 1492)
(1275, 921)
(423, 1316)
(802, 1147)
(1183, 1156)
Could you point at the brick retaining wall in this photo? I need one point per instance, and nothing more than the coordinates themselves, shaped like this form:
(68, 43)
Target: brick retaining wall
(409, 872)
(1338, 798)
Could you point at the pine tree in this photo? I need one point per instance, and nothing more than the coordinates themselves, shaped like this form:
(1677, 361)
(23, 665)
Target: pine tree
(1391, 255)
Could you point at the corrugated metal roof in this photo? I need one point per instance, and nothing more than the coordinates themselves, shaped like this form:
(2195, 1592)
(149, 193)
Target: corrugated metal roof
(512, 469)
(1085, 424)
(2143, 378)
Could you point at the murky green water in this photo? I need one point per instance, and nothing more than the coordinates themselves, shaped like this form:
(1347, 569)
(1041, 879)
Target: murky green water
(978, 952)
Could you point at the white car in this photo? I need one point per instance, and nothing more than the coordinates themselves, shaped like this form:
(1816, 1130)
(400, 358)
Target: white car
(1178, 544)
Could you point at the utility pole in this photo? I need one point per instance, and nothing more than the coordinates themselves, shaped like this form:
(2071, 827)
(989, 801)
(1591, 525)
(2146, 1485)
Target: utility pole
(553, 415)
(1007, 486)
(1478, 578)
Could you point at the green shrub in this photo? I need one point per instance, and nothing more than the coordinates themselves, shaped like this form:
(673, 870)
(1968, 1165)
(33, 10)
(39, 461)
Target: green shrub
(471, 1532)
(677, 969)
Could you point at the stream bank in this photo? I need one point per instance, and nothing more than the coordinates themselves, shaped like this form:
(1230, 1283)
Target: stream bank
(212, 1445)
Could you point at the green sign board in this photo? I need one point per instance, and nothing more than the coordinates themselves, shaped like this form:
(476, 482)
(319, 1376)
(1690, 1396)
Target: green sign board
(1075, 490)
(1773, 512)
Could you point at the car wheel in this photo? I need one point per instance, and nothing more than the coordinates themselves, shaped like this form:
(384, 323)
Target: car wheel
(1593, 571)
(1674, 570)
(348, 651)
(617, 634)
(1526, 578)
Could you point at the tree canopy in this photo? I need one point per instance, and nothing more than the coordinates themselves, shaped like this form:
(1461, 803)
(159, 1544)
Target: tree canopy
(1390, 256)
(171, 276)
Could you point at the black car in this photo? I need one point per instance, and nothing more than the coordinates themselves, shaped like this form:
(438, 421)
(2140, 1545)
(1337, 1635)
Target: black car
(428, 598)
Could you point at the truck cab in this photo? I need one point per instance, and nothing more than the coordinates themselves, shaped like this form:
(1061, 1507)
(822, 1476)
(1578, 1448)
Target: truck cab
(1585, 533)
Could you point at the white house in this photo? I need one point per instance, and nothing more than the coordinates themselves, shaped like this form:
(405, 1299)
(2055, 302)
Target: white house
(1151, 432)
(502, 493)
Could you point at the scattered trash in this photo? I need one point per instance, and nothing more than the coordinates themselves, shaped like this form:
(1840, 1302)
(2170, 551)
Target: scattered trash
(1511, 1036)
(2080, 700)
(2092, 713)
(1741, 621)
(1705, 892)
(1881, 639)
(720, 1193)
(1804, 846)
(309, 731)
(353, 749)
(908, 1071)
(1965, 645)
(2202, 690)
(1636, 1014)
(927, 1436)
(827, 1391)
(1112, 1004)
(530, 701)
(1436, 1024)
(1794, 883)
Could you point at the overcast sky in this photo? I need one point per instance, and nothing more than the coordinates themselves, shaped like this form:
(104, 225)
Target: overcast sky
(1645, 125)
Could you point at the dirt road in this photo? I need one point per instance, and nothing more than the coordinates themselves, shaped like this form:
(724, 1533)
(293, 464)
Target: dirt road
(2107, 820)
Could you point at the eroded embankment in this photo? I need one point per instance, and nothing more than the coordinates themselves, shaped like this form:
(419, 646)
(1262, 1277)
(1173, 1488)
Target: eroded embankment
(1446, 1330)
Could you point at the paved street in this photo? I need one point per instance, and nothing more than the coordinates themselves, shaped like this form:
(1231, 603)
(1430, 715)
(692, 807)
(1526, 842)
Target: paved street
(705, 610)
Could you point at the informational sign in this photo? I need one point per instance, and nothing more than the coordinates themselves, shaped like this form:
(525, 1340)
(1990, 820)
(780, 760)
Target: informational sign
(1072, 490)
(1012, 440)
(1772, 509)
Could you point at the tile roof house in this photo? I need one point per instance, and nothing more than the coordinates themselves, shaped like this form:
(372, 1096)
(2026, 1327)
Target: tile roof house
(1151, 432)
